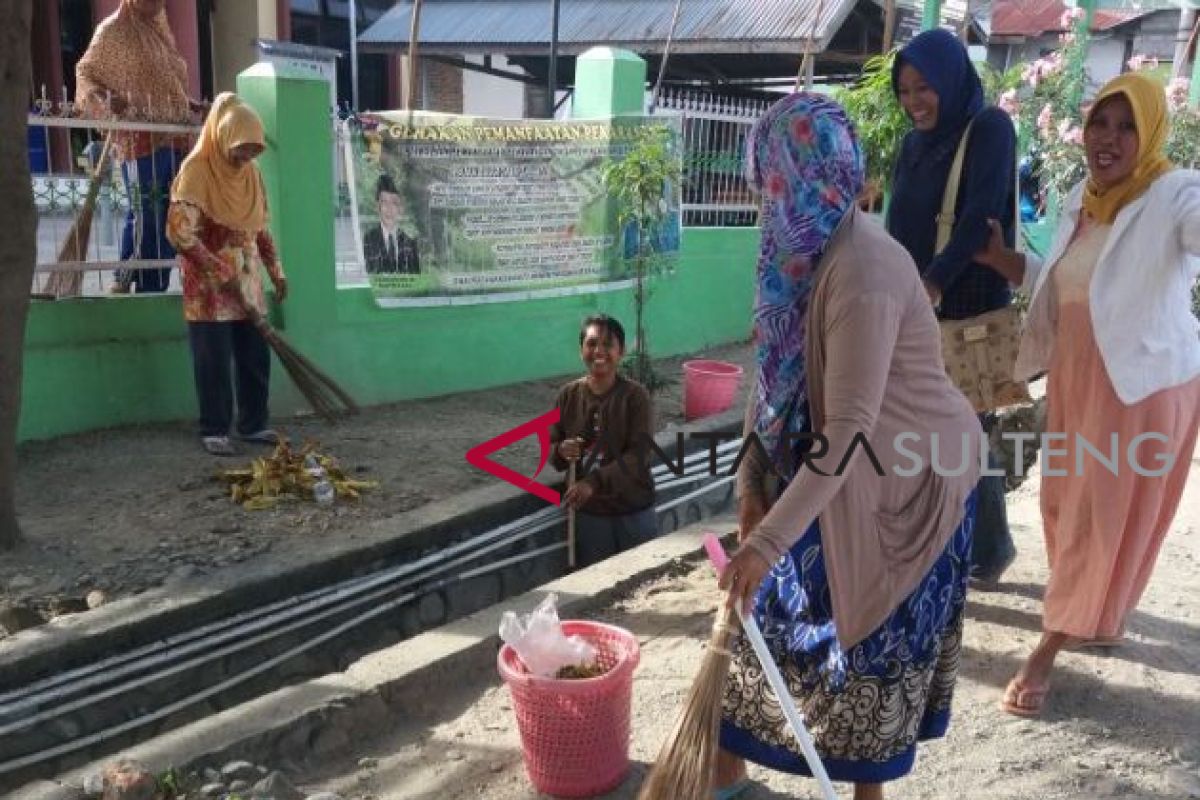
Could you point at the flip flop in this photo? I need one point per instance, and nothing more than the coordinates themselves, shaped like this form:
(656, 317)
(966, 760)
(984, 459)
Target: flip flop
(733, 791)
(1035, 699)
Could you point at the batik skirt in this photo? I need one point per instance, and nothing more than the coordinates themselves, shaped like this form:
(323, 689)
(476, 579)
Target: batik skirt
(867, 707)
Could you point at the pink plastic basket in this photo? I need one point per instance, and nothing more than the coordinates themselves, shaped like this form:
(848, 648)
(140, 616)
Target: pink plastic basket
(709, 387)
(575, 733)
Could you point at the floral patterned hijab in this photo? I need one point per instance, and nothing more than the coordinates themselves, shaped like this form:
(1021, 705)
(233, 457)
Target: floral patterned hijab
(804, 159)
(137, 59)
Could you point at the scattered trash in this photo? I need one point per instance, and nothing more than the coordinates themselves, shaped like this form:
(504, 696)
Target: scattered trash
(304, 474)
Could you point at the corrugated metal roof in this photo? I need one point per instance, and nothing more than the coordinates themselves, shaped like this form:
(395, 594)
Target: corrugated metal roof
(516, 26)
(1036, 17)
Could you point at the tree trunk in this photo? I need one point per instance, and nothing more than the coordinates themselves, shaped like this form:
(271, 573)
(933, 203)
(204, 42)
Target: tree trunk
(17, 244)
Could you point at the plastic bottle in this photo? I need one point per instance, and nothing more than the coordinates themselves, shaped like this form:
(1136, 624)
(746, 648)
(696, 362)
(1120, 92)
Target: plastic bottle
(323, 491)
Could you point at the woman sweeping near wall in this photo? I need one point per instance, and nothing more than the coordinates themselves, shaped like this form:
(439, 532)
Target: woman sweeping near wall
(1110, 319)
(864, 607)
(218, 223)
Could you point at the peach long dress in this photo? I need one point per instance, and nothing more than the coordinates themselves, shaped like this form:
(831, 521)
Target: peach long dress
(1104, 530)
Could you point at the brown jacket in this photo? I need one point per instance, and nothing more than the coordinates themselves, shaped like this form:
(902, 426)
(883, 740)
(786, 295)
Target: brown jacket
(616, 427)
(874, 367)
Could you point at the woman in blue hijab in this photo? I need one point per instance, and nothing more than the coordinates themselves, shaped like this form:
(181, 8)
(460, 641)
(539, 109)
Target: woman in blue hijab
(937, 85)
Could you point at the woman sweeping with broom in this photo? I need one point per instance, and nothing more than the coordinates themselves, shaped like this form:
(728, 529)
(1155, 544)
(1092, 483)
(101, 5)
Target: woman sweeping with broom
(856, 567)
(218, 224)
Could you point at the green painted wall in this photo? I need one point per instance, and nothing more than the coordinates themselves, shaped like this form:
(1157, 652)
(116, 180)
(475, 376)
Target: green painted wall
(110, 361)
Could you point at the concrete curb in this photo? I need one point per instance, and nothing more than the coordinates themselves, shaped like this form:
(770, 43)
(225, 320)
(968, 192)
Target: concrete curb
(75, 639)
(311, 720)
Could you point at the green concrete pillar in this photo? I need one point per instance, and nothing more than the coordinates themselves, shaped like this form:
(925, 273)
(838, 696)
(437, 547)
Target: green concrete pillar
(1194, 91)
(608, 83)
(931, 15)
(297, 169)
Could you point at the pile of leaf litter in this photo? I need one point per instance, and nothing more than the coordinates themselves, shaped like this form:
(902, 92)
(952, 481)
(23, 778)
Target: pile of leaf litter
(289, 475)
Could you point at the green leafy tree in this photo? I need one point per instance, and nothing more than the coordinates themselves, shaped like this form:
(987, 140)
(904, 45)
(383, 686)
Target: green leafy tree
(877, 116)
(639, 183)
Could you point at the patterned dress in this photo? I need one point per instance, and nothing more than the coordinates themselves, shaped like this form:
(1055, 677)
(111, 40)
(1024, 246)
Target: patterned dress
(866, 708)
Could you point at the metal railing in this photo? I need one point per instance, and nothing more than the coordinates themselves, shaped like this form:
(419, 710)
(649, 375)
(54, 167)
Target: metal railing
(69, 156)
(350, 269)
(715, 191)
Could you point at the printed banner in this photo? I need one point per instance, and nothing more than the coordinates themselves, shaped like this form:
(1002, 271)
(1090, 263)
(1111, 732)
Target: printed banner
(448, 206)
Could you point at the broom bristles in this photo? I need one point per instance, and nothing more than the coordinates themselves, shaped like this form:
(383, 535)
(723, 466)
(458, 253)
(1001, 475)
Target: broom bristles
(325, 396)
(686, 765)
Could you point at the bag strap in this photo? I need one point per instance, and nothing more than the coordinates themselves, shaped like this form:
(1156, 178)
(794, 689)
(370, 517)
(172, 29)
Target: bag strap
(945, 218)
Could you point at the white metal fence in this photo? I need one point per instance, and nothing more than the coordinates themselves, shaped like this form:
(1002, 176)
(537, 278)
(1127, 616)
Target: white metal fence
(68, 157)
(715, 191)
(350, 269)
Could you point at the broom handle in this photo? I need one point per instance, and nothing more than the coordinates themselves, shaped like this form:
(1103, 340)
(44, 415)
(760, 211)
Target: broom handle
(571, 518)
(716, 554)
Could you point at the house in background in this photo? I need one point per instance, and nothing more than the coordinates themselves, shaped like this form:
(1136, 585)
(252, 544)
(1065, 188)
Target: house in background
(491, 57)
(1022, 31)
(217, 39)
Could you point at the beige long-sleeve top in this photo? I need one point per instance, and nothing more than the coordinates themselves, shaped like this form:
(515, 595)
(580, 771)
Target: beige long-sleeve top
(874, 368)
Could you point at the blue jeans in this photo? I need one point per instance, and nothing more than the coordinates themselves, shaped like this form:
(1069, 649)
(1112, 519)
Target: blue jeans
(148, 181)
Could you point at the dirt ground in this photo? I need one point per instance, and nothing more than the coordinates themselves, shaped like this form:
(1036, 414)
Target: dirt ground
(128, 509)
(1118, 725)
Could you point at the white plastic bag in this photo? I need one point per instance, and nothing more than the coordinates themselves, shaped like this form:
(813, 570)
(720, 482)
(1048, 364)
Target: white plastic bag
(539, 641)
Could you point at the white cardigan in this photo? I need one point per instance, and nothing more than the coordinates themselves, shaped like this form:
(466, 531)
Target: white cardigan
(1141, 291)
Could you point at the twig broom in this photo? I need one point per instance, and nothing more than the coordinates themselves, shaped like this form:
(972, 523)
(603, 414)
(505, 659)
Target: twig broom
(322, 392)
(686, 765)
(74, 248)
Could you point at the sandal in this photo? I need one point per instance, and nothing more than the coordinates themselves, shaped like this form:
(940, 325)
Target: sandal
(218, 446)
(1024, 701)
(265, 436)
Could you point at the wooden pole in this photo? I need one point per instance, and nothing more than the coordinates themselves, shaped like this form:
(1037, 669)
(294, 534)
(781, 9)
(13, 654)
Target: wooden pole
(414, 36)
(552, 65)
(804, 78)
(889, 25)
(666, 54)
(571, 519)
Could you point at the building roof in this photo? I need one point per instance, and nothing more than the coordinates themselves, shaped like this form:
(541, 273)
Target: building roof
(1031, 18)
(705, 26)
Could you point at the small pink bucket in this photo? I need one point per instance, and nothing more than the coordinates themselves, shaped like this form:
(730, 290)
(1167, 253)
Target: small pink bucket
(575, 733)
(709, 387)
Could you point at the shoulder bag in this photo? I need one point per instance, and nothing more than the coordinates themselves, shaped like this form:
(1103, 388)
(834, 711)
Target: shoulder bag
(980, 352)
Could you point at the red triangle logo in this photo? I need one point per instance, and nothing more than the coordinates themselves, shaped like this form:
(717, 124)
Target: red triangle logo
(477, 456)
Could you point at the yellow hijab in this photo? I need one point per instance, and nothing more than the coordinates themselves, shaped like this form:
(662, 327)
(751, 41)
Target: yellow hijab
(229, 195)
(1149, 103)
